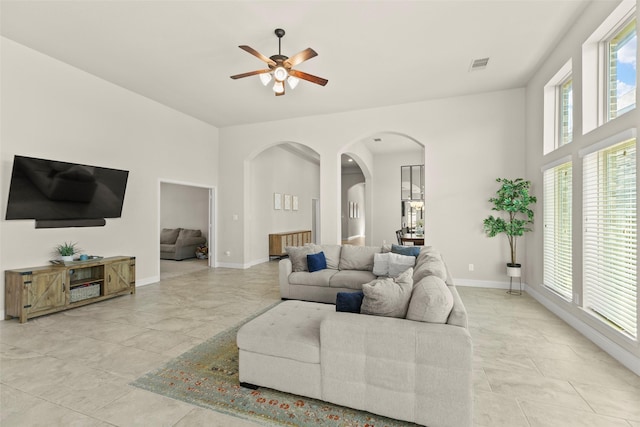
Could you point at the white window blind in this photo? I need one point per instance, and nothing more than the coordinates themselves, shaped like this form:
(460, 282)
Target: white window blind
(610, 235)
(566, 112)
(557, 191)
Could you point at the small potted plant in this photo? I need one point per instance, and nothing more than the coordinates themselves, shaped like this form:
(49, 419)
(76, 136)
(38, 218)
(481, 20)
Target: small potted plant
(67, 250)
(513, 199)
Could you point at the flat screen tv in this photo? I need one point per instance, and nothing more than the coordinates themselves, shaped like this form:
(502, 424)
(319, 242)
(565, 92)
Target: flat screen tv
(51, 190)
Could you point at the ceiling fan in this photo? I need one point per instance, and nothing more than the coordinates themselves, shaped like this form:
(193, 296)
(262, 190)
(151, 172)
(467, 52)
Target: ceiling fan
(281, 67)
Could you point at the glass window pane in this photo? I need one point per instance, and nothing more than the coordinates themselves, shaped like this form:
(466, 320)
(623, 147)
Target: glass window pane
(622, 71)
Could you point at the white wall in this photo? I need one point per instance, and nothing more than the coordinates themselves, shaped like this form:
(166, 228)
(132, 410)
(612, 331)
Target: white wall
(469, 141)
(276, 170)
(352, 191)
(184, 206)
(52, 110)
(570, 47)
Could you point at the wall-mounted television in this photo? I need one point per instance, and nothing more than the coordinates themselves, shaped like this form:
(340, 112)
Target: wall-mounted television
(62, 194)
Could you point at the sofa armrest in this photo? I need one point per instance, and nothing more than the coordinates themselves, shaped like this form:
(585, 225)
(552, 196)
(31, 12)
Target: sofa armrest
(284, 270)
(415, 371)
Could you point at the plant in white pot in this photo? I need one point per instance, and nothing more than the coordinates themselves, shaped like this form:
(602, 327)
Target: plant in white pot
(514, 201)
(67, 250)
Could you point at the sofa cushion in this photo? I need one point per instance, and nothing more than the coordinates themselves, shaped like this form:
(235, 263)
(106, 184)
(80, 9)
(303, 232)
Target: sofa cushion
(458, 315)
(331, 253)
(316, 262)
(317, 278)
(351, 279)
(186, 233)
(406, 250)
(290, 330)
(429, 265)
(169, 236)
(431, 301)
(349, 302)
(298, 256)
(388, 297)
(357, 257)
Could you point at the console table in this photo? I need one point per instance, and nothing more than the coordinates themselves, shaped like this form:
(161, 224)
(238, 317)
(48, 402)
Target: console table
(36, 291)
(278, 241)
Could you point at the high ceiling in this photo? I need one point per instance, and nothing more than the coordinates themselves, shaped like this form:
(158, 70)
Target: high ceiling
(378, 53)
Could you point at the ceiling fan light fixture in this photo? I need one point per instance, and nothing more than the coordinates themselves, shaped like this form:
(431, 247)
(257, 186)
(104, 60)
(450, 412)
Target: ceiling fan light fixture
(278, 87)
(265, 78)
(293, 82)
(280, 74)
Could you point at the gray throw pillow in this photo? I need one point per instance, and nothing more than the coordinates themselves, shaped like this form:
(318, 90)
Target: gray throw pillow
(388, 297)
(431, 301)
(381, 264)
(398, 264)
(298, 256)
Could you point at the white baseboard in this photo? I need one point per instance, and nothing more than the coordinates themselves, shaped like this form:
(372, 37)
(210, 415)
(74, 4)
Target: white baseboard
(147, 281)
(619, 353)
(487, 284)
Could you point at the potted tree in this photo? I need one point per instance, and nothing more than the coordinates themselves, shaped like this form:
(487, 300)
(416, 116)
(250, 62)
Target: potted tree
(513, 199)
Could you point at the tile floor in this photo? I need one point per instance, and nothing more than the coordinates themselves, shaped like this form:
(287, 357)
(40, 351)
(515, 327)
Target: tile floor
(73, 368)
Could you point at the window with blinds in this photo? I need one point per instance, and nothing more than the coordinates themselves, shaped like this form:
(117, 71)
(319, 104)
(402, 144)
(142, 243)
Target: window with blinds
(557, 262)
(566, 112)
(610, 235)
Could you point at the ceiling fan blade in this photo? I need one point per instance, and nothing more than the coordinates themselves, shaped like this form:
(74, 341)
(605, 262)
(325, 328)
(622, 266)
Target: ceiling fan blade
(299, 57)
(258, 55)
(250, 73)
(308, 77)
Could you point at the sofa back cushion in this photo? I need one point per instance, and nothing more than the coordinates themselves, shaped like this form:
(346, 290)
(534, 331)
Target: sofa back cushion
(168, 236)
(331, 254)
(298, 256)
(430, 264)
(431, 301)
(357, 257)
(186, 233)
(388, 297)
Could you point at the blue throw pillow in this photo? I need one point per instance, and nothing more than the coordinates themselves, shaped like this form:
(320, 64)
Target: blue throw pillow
(349, 302)
(406, 250)
(316, 262)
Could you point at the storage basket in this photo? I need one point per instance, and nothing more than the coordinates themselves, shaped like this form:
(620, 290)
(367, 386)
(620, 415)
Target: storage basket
(85, 292)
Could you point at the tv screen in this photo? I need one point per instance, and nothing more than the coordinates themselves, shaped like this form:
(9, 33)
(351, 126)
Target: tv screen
(43, 189)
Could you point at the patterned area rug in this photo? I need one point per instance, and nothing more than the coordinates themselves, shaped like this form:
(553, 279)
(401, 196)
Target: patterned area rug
(207, 376)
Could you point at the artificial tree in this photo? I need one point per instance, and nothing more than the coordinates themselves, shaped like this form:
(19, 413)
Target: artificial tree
(512, 198)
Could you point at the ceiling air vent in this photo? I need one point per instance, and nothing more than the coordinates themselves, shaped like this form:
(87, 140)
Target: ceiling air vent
(479, 64)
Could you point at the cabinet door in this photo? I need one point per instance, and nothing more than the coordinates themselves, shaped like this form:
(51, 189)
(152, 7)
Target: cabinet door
(118, 277)
(46, 291)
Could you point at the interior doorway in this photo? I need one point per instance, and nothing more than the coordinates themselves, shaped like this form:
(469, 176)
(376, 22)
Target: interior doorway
(188, 206)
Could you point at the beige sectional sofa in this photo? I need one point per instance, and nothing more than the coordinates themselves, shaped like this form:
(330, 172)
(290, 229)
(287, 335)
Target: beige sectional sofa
(416, 369)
